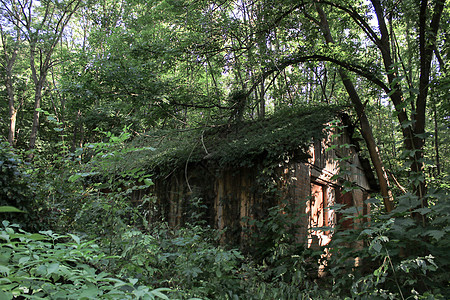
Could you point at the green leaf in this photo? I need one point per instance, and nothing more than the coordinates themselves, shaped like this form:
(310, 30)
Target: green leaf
(5, 295)
(408, 123)
(349, 211)
(4, 269)
(141, 291)
(36, 237)
(23, 260)
(437, 234)
(218, 273)
(148, 182)
(10, 209)
(74, 177)
(422, 135)
(41, 270)
(158, 293)
(376, 246)
(4, 236)
(75, 238)
(368, 232)
(52, 268)
(330, 148)
(48, 233)
(423, 210)
(91, 292)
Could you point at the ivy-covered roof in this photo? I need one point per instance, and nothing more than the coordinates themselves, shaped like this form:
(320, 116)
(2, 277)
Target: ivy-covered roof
(284, 134)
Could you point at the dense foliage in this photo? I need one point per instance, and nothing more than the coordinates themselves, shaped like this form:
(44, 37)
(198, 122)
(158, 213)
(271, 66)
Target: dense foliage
(100, 96)
(131, 258)
(48, 265)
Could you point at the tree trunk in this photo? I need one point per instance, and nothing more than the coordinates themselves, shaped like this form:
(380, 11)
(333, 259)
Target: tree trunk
(366, 129)
(262, 47)
(12, 112)
(12, 126)
(413, 132)
(436, 141)
(8, 68)
(38, 84)
(35, 126)
(392, 76)
(39, 74)
(427, 42)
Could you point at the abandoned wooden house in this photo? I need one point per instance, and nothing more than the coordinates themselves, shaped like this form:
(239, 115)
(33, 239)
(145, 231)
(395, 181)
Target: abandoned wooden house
(228, 175)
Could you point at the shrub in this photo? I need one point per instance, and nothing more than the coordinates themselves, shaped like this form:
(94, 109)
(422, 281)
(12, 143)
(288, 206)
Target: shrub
(47, 265)
(14, 188)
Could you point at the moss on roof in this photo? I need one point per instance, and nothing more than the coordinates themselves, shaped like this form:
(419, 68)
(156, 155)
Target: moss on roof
(284, 134)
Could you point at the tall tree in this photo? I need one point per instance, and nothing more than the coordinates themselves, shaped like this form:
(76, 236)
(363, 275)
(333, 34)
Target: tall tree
(41, 26)
(11, 42)
(366, 128)
(10, 47)
(413, 127)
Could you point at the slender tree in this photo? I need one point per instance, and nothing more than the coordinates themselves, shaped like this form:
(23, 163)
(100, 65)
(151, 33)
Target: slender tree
(10, 47)
(41, 25)
(366, 128)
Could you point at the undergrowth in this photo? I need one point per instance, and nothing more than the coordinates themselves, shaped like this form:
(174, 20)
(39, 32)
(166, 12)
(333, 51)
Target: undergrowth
(95, 242)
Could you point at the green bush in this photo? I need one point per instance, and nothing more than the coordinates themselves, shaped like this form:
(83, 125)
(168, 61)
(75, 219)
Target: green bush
(192, 264)
(14, 188)
(46, 265)
(401, 258)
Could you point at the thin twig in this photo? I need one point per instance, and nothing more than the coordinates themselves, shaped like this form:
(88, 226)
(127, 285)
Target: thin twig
(203, 143)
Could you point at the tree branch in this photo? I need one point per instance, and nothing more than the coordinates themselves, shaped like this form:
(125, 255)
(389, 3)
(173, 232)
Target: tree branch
(359, 20)
(296, 59)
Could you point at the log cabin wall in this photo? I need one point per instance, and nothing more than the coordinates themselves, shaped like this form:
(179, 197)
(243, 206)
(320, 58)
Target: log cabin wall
(183, 196)
(294, 179)
(236, 200)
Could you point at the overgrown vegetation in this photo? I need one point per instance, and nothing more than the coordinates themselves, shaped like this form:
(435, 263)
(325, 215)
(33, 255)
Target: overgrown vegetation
(283, 135)
(51, 266)
(101, 97)
(107, 250)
